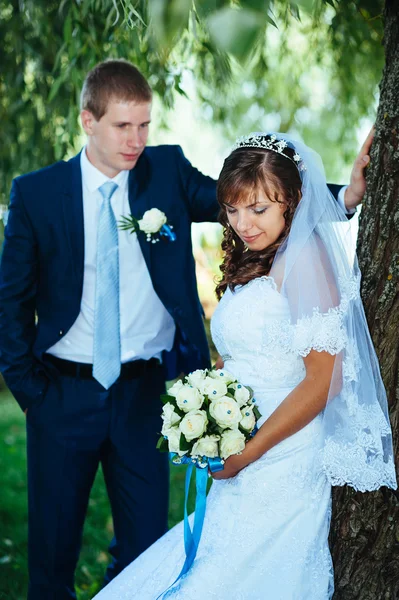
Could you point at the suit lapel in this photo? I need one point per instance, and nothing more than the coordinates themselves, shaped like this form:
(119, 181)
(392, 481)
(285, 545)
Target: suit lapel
(73, 215)
(139, 200)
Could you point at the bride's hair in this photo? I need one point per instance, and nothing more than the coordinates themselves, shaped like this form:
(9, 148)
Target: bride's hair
(245, 172)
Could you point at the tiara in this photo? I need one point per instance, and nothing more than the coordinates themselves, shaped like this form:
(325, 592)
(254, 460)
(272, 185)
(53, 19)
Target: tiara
(259, 140)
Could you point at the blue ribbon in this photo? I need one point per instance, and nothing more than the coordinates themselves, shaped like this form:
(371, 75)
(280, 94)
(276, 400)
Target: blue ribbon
(192, 537)
(166, 232)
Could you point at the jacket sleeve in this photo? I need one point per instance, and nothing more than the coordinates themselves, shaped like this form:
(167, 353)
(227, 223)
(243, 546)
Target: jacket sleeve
(335, 190)
(18, 284)
(200, 190)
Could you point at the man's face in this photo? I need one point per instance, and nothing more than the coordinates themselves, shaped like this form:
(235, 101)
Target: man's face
(116, 141)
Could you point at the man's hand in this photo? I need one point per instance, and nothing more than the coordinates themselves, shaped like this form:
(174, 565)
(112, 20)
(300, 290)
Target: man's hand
(25, 411)
(357, 187)
(219, 364)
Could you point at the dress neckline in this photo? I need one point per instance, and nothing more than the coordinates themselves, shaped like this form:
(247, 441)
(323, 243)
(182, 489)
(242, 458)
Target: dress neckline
(269, 279)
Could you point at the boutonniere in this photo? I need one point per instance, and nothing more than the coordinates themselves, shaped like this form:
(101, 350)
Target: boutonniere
(153, 224)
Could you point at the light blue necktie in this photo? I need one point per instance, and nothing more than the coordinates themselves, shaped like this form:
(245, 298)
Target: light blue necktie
(107, 343)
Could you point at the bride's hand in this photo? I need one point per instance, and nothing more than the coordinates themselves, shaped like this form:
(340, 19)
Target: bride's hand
(232, 466)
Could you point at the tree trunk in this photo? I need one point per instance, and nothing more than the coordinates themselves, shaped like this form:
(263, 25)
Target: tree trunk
(365, 531)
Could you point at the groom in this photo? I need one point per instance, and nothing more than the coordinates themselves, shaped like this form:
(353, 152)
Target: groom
(94, 319)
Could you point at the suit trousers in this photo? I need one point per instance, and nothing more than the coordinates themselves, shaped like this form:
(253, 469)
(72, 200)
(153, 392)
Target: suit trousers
(77, 426)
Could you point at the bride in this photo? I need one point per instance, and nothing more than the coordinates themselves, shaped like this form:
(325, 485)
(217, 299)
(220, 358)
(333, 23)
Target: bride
(291, 325)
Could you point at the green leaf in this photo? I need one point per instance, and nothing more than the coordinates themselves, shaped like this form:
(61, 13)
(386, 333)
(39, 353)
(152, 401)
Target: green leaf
(205, 7)
(165, 398)
(246, 432)
(67, 30)
(257, 413)
(184, 445)
(235, 31)
(54, 88)
(129, 223)
(257, 5)
(169, 19)
(179, 411)
(294, 9)
(162, 444)
(271, 21)
(210, 418)
(307, 5)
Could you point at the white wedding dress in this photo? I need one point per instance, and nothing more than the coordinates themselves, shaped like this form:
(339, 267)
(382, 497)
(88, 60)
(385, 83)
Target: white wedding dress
(265, 533)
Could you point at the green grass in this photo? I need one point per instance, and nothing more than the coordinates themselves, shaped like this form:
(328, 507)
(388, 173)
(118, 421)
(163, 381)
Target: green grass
(13, 513)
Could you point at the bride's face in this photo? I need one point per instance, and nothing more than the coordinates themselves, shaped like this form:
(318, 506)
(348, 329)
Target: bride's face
(258, 222)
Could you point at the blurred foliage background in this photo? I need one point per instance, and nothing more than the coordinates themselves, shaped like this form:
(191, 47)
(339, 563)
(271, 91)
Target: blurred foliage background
(308, 66)
(219, 68)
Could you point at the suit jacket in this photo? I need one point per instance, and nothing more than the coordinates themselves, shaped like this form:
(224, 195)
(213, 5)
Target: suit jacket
(41, 276)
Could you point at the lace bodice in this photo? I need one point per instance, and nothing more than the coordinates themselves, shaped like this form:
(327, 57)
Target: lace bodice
(251, 331)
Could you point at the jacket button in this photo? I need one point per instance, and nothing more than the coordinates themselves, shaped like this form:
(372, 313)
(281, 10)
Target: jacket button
(61, 332)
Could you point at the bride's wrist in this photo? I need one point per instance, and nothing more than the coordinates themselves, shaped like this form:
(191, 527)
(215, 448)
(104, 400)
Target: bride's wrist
(250, 454)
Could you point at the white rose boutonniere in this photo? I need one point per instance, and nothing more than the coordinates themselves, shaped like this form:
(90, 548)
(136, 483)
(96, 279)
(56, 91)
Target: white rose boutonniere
(153, 224)
(152, 221)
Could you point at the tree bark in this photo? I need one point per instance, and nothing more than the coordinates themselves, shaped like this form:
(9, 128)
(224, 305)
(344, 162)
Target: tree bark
(365, 530)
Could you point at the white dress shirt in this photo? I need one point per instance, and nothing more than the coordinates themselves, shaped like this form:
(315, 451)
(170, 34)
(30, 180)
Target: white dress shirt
(341, 200)
(146, 327)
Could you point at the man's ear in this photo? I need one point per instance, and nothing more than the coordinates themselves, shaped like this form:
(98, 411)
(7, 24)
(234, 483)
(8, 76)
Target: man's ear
(88, 121)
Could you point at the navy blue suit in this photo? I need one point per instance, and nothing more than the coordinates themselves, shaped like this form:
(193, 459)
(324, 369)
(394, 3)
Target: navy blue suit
(74, 424)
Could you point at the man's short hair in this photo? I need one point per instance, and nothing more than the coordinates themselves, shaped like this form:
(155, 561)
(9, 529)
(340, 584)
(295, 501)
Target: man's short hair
(113, 79)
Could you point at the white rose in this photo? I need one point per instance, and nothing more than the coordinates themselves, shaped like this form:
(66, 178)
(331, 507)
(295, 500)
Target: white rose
(248, 418)
(172, 391)
(197, 378)
(232, 442)
(222, 374)
(225, 411)
(152, 221)
(241, 394)
(173, 437)
(214, 388)
(169, 417)
(193, 425)
(189, 398)
(206, 446)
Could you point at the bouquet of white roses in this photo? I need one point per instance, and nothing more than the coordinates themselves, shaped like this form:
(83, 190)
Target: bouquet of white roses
(207, 415)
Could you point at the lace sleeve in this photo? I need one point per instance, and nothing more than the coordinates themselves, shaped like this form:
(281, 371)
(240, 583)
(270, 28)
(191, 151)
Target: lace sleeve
(327, 316)
(323, 332)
